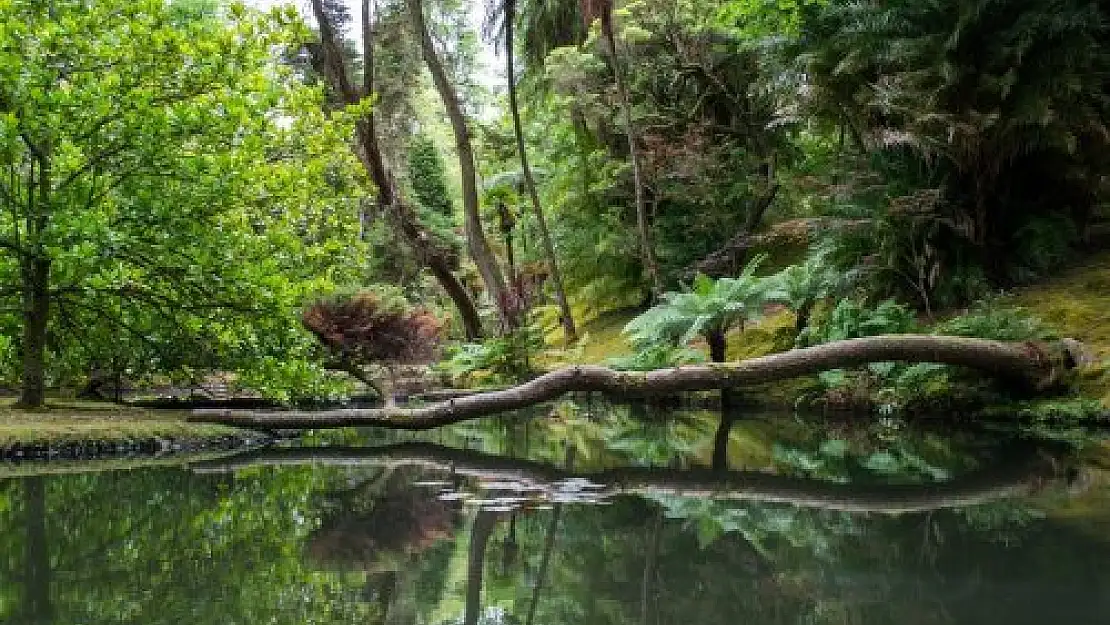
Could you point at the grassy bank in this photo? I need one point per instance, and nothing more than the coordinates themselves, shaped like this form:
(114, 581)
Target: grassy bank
(67, 423)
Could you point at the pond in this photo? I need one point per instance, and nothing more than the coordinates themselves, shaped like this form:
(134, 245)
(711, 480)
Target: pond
(595, 514)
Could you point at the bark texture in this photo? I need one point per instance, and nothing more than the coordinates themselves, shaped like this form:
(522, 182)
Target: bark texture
(35, 270)
(1028, 364)
(1033, 472)
(476, 241)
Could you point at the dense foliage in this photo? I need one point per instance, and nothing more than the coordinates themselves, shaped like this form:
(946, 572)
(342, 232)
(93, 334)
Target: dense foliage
(171, 194)
(181, 178)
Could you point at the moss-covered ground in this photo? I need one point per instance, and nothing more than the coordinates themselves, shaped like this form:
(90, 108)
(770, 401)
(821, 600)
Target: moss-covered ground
(1076, 303)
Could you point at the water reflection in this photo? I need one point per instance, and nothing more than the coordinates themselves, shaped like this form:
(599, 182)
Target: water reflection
(805, 524)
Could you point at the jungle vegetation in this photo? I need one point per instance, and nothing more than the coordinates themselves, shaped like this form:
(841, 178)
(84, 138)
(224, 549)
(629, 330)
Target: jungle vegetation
(197, 187)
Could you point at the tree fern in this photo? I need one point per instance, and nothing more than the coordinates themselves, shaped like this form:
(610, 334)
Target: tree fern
(709, 310)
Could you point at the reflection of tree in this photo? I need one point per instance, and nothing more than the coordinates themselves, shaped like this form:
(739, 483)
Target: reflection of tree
(163, 546)
(37, 576)
(545, 562)
(400, 523)
(723, 547)
(1030, 474)
(384, 527)
(480, 532)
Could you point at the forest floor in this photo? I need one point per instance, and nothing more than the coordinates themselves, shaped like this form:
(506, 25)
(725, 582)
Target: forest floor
(1076, 304)
(85, 428)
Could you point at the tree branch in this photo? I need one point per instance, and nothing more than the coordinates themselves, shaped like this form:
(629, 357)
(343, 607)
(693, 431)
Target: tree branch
(1025, 363)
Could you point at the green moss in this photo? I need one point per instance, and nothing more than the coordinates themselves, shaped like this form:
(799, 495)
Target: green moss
(602, 339)
(1076, 303)
(75, 421)
(774, 333)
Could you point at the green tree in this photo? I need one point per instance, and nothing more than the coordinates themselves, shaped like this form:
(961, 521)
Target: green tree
(1000, 105)
(428, 177)
(602, 11)
(140, 146)
(339, 74)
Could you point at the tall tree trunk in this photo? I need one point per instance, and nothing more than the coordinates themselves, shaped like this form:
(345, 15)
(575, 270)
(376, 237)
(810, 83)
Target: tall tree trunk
(35, 276)
(476, 241)
(643, 224)
(36, 315)
(367, 148)
(567, 317)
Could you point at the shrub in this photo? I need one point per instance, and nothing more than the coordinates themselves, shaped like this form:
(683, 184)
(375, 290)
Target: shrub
(503, 359)
(376, 326)
(1000, 324)
(852, 319)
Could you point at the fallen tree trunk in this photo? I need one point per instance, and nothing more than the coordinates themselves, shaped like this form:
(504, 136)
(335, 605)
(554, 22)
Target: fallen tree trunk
(1028, 364)
(1032, 473)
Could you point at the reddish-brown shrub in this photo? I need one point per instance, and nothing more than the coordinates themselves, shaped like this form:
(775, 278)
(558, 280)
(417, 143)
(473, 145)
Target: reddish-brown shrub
(371, 327)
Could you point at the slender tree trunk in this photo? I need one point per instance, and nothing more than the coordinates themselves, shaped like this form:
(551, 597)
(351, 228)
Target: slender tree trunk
(567, 317)
(476, 241)
(801, 320)
(367, 149)
(643, 224)
(1029, 365)
(35, 276)
(717, 345)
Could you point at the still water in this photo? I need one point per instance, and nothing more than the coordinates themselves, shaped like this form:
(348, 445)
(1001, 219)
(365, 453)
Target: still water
(597, 515)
